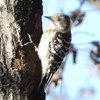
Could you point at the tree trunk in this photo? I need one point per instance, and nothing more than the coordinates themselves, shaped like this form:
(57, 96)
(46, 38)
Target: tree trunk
(20, 67)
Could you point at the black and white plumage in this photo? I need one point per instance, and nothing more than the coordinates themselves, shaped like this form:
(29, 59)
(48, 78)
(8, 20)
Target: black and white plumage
(54, 44)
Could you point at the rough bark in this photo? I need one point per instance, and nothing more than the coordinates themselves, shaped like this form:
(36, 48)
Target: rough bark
(20, 67)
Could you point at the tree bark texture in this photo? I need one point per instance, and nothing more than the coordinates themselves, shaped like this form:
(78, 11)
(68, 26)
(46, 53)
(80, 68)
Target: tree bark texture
(20, 67)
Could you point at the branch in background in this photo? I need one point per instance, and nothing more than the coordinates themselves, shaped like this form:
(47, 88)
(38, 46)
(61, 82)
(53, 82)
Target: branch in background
(74, 51)
(83, 32)
(85, 92)
(92, 10)
(81, 3)
(77, 17)
(95, 56)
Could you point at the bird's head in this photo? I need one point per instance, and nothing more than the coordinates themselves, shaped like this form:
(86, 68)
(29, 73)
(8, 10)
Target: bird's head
(59, 22)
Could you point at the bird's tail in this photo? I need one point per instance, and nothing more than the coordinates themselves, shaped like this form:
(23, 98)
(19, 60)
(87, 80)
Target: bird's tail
(45, 80)
(48, 78)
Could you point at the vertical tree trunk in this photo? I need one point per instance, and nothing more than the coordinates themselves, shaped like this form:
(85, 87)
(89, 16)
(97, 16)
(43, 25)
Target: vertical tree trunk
(20, 67)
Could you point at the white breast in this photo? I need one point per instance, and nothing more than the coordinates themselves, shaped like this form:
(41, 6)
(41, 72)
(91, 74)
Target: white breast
(44, 50)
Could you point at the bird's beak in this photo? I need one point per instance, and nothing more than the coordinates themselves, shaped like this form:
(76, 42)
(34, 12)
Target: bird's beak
(48, 17)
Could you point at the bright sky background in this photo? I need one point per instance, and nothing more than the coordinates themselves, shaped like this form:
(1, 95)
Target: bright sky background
(83, 74)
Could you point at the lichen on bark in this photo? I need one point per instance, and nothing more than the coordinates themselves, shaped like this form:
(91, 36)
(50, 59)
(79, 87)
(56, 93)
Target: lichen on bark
(20, 67)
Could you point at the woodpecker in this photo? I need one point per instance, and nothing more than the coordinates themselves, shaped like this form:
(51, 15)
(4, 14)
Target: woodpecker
(54, 44)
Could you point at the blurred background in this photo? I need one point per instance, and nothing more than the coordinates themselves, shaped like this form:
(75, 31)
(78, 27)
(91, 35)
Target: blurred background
(78, 78)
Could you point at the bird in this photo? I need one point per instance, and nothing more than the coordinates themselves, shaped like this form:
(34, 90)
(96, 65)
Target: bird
(54, 44)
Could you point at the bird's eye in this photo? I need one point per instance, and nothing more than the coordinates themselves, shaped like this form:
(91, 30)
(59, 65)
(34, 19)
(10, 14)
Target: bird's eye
(59, 19)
